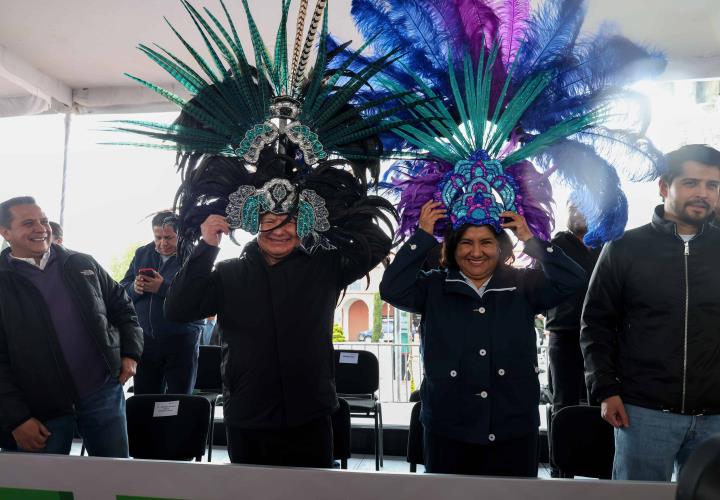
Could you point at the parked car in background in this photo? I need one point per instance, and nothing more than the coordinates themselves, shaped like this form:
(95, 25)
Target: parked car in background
(387, 333)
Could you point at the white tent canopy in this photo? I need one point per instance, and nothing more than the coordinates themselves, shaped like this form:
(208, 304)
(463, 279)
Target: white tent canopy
(71, 55)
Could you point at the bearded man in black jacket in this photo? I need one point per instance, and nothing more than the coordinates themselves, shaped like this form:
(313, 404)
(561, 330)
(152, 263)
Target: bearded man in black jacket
(651, 324)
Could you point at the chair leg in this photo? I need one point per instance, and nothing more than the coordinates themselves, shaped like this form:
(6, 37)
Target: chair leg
(382, 434)
(211, 431)
(413, 467)
(343, 463)
(82, 450)
(377, 444)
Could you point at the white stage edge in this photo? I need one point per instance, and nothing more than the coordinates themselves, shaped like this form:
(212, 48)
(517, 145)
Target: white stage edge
(103, 479)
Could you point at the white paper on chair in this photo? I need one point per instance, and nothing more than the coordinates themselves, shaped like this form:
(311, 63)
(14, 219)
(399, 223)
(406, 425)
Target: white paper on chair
(350, 358)
(166, 408)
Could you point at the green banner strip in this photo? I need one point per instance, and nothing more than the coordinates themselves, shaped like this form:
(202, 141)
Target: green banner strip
(21, 494)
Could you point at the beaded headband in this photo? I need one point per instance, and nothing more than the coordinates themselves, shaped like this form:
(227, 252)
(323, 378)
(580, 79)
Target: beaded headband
(280, 196)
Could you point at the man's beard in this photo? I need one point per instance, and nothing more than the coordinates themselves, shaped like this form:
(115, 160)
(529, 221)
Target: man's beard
(685, 216)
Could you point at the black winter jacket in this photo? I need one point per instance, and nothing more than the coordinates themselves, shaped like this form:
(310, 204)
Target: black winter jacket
(481, 374)
(564, 319)
(276, 323)
(34, 379)
(651, 320)
(149, 306)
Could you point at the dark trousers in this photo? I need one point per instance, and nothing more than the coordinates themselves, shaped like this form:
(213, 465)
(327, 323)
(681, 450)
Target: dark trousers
(566, 370)
(514, 457)
(307, 445)
(100, 418)
(168, 365)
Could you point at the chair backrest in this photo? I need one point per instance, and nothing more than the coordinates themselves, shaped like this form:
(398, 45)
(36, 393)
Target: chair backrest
(167, 426)
(341, 431)
(414, 396)
(356, 372)
(209, 378)
(415, 437)
(7, 441)
(700, 476)
(583, 444)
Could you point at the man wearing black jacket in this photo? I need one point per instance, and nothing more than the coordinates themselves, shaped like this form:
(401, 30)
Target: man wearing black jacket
(567, 374)
(275, 306)
(170, 355)
(69, 339)
(651, 324)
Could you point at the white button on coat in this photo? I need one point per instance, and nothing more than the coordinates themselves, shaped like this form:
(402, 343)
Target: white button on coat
(501, 372)
(483, 394)
(413, 246)
(453, 373)
(491, 437)
(481, 310)
(550, 249)
(482, 352)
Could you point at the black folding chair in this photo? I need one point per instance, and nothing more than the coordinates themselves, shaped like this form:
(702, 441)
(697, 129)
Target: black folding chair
(341, 433)
(700, 476)
(357, 379)
(416, 443)
(7, 441)
(208, 383)
(168, 426)
(583, 444)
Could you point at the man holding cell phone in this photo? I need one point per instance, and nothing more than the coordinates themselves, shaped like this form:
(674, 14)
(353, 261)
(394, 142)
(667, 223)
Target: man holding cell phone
(169, 362)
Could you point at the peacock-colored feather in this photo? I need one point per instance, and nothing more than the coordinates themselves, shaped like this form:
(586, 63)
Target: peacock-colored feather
(245, 93)
(225, 90)
(510, 117)
(197, 80)
(198, 58)
(280, 68)
(350, 132)
(242, 76)
(379, 103)
(342, 95)
(568, 128)
(314, 98)
(186, 79)
(188, 73)
(229, 115)
(200, 23)
(262, 59)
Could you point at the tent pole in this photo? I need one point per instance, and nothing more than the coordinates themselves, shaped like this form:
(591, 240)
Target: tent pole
(68, 120)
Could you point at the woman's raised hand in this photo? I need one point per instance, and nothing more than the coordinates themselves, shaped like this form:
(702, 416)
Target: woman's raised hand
(430, 213)
(517, 224)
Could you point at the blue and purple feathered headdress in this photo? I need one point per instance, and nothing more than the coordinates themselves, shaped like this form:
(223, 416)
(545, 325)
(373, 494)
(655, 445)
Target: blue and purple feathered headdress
(517, 96)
